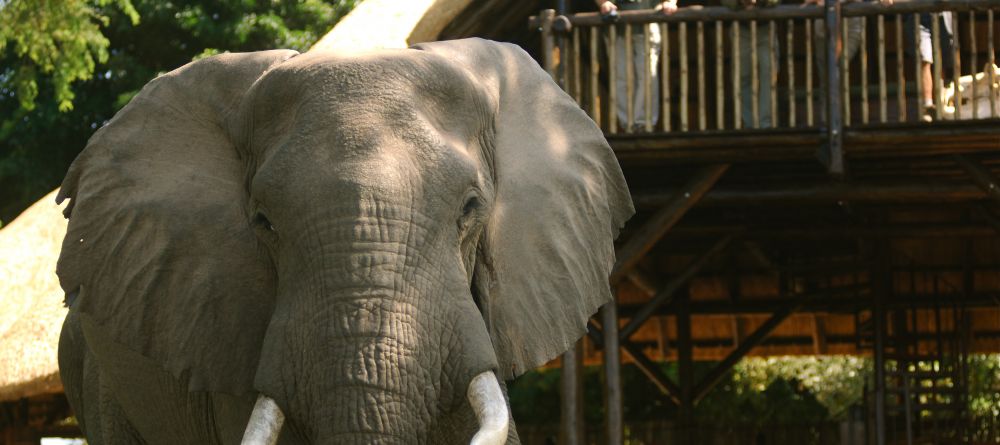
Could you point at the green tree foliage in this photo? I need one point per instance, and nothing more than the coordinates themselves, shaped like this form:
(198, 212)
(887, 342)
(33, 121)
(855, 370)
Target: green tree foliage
(60, 39)
(66, 66)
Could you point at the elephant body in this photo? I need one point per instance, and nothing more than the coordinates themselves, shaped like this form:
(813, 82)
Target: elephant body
(355, 239)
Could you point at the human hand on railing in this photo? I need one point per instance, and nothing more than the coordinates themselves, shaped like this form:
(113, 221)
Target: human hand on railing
(668, 7)
(607, 7)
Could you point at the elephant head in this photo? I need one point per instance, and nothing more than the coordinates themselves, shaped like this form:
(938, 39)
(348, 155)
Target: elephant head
(356, 238)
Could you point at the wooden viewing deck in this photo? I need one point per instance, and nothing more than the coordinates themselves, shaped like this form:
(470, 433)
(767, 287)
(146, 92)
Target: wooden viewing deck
(848, 224)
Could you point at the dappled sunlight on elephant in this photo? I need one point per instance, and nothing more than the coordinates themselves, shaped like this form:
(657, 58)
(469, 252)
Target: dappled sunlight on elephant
(364, 246)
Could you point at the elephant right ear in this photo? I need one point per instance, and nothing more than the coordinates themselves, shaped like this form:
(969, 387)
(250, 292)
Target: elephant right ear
(159, 249)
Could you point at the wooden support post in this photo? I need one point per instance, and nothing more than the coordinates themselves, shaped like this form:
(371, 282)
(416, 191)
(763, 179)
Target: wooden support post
(665, 294)
(833, 152)
(571, 420)
(613, 410)
(819, 334)
(685, 363)
(882, 286)
(980, 175)
(751, 341)
(646, 237)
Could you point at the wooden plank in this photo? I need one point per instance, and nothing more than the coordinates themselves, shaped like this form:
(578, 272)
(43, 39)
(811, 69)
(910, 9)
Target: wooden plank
(667, 292)
(660, 223)
(980, 175)
(899, 192)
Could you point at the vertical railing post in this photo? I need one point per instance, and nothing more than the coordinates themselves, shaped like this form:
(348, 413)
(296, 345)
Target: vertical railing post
(548, 41)
(613, 413)
(833, 153)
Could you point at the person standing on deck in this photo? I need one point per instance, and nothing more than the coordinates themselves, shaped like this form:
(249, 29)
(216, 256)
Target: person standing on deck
(643, 64)
(925, 50)
(766, 74)
(852, 42)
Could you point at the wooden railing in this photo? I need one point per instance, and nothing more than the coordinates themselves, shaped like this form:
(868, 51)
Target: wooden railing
(712, 69)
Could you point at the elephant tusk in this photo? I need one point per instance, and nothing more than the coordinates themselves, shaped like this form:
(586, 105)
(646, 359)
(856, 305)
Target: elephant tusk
(265, 423)
(491, 410)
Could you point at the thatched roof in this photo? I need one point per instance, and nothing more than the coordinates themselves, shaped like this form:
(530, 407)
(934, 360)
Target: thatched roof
(31, 301)
(382, 24)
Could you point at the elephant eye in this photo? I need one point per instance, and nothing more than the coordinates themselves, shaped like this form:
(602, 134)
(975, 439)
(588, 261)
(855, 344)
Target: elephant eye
(261, 220)
(471, 205)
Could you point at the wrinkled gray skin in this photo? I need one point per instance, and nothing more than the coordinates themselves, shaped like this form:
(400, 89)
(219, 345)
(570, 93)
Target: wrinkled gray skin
(355, 237)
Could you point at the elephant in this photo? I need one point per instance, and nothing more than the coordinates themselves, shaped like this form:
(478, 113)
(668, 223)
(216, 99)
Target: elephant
(274, 247)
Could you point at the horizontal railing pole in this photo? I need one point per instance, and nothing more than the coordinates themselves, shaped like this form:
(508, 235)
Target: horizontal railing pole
(779, 12)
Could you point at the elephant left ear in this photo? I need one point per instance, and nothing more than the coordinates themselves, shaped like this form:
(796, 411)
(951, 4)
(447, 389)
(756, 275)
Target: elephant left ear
(560, 200)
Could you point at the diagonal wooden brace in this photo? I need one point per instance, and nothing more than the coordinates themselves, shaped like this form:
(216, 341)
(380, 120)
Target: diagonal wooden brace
(660, 223)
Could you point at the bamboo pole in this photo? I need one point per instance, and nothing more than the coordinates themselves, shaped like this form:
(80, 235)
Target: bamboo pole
(577, 88)
(975, 67)
(789, 31)
(809, 74)
(629, 80)
(957, 66)
(864, 70)
(883, 108)
(737, 102)
(900, 70)
(772, 81)
(720, 89)
(918, 66)
(936, 71)
(833, 155)
(754, 76)
(992, 56)
(702, 118)
(647, 80)
(612, 81)
(665, 105)
(845, 74)
(595, 67)
(571, 383)
(682, 42)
